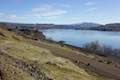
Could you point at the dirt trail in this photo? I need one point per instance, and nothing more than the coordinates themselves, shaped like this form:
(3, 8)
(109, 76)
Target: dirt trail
(101, 68)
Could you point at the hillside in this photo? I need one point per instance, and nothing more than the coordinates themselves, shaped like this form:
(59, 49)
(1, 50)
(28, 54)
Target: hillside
(80, 26)
(21, 60)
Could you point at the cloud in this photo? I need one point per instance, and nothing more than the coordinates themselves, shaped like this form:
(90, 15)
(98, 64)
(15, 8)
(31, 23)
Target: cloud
(13, 16)
(91, 9)
(91, 6)
(106, 20)
(65, 5)
(47, 11)
(1, 14)
(10, 17)
(90, 3)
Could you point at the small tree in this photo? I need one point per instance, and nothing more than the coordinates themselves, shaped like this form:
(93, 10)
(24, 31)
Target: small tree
(61, 43)
(92, 46)
(104, 50)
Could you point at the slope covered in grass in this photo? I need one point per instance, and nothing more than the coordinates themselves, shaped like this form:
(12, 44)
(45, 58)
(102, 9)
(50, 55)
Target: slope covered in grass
(29, 62)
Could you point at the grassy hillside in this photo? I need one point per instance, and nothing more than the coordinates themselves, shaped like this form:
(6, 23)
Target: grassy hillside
(21, 60)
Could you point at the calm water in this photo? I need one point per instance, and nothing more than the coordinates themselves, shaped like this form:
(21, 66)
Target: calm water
(80, 37)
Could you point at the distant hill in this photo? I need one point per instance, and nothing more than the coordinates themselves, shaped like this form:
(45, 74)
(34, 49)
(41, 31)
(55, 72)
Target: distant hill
(86, 25)
(72, 26)
(81, 26)
(113, 27)
(108, 27)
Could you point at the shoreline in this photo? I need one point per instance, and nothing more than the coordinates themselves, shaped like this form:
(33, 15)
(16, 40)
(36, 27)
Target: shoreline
(80, 49)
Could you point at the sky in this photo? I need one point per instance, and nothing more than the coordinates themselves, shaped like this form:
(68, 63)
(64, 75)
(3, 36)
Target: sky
(60, 11)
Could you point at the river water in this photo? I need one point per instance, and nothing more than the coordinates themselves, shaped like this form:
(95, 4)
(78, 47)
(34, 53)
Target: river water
(80, 37)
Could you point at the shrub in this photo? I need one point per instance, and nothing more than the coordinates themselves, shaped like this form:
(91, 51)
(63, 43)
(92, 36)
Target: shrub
(61, 43)
(92, 46)
(101, 50)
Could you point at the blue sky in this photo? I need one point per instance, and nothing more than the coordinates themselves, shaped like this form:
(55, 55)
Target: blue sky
(60, 11)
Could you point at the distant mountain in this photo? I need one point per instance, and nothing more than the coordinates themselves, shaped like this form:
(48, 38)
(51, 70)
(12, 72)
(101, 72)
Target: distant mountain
(108, 27)
(81, 26)
(86, 25)
(72, 26)
(113, 27)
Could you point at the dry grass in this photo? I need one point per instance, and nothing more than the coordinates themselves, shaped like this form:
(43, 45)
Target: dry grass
(54, 67)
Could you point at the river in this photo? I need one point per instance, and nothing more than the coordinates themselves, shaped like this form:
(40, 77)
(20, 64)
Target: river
(80, 37)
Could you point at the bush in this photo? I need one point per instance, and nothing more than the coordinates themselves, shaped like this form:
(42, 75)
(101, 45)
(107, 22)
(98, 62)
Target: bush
(61, 43)
(96, 48)
(92, 46)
